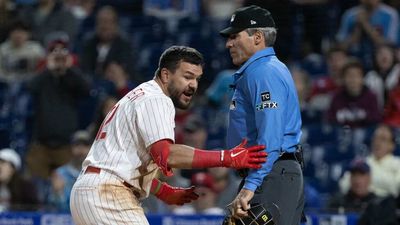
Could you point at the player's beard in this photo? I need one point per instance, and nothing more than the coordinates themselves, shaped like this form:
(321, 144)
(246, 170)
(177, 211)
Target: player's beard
(175, 96)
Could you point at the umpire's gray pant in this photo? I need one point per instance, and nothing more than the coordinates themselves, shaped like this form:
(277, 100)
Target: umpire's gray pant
(283, 187)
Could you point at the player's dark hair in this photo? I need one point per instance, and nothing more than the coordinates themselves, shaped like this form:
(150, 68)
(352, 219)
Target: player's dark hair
(174, 55)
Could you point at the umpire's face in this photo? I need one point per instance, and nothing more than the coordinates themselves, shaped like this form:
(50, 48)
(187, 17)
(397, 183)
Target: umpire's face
(182, 84)
(242, 46)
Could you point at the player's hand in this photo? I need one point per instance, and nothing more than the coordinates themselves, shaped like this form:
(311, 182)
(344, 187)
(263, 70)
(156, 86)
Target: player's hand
(176, 195)
(241, 157)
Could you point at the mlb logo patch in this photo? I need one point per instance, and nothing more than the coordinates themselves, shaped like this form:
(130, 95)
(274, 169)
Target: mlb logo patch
(233, 18)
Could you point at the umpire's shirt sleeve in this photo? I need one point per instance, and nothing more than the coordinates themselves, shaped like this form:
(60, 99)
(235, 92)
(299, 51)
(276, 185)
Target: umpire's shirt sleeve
(266, 93)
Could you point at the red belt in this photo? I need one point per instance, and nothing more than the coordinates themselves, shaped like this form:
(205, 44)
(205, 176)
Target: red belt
(92, 169)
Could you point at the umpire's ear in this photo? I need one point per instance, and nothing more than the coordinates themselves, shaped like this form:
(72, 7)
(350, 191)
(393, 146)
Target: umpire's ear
(164, 75)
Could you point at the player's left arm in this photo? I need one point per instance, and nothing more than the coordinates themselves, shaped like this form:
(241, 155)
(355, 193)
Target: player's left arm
(172, 195)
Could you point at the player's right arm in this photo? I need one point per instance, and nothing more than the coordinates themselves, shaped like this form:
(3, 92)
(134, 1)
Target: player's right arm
(155, 121)
(167, 155)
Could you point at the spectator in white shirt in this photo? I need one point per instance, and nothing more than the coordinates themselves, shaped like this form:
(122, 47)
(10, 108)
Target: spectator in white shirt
(385, 170)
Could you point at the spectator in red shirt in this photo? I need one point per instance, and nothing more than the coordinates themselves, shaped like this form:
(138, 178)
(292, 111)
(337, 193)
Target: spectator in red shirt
(354, 105)
(323, 88)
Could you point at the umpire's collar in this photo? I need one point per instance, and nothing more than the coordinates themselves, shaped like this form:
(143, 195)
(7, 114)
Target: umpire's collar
(260, 54)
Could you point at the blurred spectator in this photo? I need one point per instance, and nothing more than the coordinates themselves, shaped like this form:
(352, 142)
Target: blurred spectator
(226, 184)
(49, 16)
(56, 93)
(367, 25)
(84, 13)
(16, 192)
(385, 75)
(117, 74)
(180, 118)
(214, 110)
(64, 177)
(103, 108)
(80, 9)
(382, 209)
(206, 203)
(8, 10)
(359, 195)
(106, 45)
(19, 57)
(219, 93)
(172, 11)
(194, 134)
(391, 112)
(385, 171)
(53, 38)
(355, 105)
(324, 87)
(302, 81)
(220, 10)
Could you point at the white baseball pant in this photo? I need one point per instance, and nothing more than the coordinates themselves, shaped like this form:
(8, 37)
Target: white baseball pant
(102, 198)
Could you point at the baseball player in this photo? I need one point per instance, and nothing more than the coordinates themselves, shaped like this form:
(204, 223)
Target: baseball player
(136, 140)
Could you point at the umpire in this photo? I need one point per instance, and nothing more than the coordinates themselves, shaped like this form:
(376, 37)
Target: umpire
(265, 110)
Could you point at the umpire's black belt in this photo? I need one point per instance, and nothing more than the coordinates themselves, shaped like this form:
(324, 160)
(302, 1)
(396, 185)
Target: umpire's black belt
(296, 155)
(288, 156)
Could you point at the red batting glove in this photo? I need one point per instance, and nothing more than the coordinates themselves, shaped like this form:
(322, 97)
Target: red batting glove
(174, 195)
(241, 157)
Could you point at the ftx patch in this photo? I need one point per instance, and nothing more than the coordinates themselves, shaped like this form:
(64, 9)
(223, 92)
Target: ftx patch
(266, 102)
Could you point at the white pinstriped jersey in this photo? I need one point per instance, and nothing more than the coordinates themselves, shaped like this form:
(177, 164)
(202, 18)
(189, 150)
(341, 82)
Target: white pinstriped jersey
(142, 117)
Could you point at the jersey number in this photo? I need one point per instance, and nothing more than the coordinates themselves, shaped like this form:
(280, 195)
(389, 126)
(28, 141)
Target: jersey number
(102, 134)
(132, 96)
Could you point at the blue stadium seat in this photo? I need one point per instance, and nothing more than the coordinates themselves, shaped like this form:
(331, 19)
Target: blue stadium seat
(148, 61)
(315, 134)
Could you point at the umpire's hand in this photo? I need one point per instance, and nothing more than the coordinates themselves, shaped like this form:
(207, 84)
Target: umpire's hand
(241, 204)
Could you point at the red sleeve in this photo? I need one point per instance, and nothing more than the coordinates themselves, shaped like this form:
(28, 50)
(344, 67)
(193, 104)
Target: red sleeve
(159, 151)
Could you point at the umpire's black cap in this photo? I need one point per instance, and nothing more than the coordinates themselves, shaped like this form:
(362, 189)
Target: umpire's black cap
(248, 17)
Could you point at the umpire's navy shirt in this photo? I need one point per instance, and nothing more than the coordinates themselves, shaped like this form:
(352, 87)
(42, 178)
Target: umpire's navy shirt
(265, 110)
